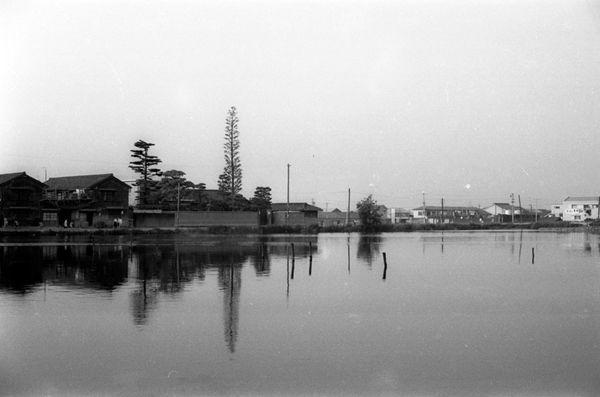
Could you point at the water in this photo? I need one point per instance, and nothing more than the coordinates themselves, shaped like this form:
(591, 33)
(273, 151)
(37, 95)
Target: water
(459, 314)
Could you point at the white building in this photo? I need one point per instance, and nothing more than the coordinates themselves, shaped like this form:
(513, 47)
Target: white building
(578, 209)
(502, 209)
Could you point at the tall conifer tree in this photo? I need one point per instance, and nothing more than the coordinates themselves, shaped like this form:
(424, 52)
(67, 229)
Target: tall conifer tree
(230, 181)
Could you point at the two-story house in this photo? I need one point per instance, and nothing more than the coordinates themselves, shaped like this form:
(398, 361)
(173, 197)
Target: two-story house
(579, 209)
(88, 200)
(20, 197)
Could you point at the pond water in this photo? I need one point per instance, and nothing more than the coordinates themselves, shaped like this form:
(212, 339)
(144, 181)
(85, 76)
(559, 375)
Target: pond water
(458, 314)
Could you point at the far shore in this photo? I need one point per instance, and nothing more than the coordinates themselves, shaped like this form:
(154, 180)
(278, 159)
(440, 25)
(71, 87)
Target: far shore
(279, 229)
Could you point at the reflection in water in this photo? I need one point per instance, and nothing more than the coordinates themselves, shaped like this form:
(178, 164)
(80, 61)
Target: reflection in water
(150, 269)
(368, 247)
(452, 318)
(23, 268)
(230, 281)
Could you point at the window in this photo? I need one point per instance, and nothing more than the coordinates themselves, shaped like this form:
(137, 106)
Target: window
(108, 195)
(50, 217)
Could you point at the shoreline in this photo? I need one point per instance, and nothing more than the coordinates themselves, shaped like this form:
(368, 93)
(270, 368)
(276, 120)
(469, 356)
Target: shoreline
(397, 228)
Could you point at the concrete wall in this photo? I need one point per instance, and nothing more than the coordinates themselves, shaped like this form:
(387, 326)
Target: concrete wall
(218, 218)
(296, 218)
(164, 219)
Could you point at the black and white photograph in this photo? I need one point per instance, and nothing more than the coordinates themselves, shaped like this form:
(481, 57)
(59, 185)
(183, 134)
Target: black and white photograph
(300, 198)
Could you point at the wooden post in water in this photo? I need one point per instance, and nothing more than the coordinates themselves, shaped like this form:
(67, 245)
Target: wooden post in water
(384, 265)
(309, 258)
(532, 255)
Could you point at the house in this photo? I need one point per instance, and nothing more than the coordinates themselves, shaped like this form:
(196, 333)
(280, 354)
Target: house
(337, 218)
(579, 209)
(20, 197)
(449, 214)
(398, 215)
(87, 200)
(503, 212)
(299, 214)
(556, 210)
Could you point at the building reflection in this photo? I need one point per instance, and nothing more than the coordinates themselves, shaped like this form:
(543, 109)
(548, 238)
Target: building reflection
(146, 271)
(24, 268)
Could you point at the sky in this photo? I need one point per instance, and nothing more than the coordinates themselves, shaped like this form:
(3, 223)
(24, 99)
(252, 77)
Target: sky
(465, 100)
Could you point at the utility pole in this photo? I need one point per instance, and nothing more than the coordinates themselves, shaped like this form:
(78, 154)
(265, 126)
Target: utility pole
(178, 197)
(536, 210)
(424, 210)
(520, 210)
(348, 212)
(512, 207)
(442, 220)
(287, 214)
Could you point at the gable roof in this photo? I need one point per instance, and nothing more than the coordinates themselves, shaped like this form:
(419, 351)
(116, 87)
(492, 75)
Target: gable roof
(5, 178)
(9, 177)
(78, 181)
(504, 206)
(302, 207)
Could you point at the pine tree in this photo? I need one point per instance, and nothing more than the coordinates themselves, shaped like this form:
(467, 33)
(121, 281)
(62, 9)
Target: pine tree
(144, 166)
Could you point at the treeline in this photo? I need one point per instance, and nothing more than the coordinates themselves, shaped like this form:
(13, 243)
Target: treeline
(170, 190)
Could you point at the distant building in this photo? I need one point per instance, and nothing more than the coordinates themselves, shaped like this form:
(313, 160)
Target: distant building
(556, 210)
(337, 218)
(87, 200)
(449, 214)
(579, 209)
(20, 197)
(398, 215)
(299, 214)
(503, 212)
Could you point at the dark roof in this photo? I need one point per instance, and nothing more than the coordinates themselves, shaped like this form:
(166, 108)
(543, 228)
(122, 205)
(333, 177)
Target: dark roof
(8, 177)
(78, 181)
(302, 207)
(4, 178)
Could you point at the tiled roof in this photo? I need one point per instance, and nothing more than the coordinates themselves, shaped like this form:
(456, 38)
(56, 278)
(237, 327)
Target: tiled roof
(302, 207)
(448, 208)
(76, 182)
(8, 177)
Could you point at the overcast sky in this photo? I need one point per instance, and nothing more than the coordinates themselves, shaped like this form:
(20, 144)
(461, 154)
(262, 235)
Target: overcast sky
(464, 100)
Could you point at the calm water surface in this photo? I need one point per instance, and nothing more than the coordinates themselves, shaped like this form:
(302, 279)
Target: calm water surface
(459, 314)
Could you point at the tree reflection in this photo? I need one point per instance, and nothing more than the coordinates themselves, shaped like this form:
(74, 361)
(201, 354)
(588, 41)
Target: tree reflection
(368, 247)
(261, 260)
(230, 282)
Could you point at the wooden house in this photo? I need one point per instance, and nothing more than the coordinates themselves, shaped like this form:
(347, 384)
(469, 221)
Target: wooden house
(88, 200)
(20, 197)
